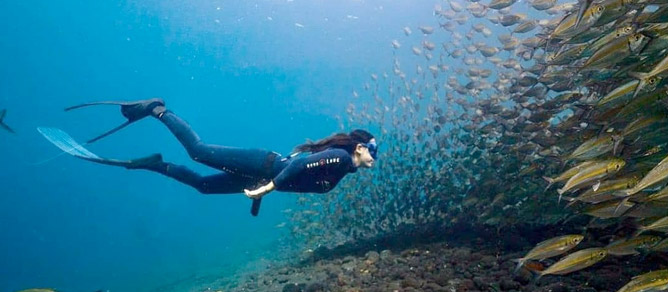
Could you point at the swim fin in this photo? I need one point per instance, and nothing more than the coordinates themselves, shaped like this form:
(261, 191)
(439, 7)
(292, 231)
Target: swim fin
(66, 143)
(2, 123)
(132, 111)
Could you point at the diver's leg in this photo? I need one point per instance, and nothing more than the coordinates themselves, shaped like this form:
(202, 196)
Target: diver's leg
(221, 183)
(231, 159)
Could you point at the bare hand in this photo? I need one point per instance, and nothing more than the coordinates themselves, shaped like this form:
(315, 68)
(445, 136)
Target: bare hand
(255, 194)
(260, 192)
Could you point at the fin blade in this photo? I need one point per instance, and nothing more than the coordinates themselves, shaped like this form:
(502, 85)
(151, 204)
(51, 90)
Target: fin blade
(65, 142)
(95, 103)
(68, 145)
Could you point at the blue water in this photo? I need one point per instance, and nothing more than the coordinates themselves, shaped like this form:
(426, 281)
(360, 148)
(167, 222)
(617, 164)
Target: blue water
(242, 73)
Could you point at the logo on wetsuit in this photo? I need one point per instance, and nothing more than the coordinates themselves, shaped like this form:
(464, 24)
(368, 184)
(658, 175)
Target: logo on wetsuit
(323, 162)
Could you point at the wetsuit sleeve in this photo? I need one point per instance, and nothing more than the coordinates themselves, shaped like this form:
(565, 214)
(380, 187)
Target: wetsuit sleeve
(293, 169)
(298, 166)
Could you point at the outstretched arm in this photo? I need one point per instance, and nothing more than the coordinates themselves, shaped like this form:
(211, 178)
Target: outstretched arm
(325, 159)
(294, 168)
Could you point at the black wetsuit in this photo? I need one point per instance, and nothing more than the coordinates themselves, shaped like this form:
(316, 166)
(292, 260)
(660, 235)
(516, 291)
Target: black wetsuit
(249, 168)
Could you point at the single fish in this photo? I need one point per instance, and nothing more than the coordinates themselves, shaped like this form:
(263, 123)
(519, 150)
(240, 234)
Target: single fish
(616, 51)
(606, 39)
(488, 52)
(660, 246)
(534, 42)
(455, 6)
(631, 246)
(543, 4)
(645, 78)
(641, 124)
(567, 28)
(478, 27)
(562, 8)
(527, 80)
(614, 9)
(643, 104)
(610, 209)
(478, 10)
(526, 26)
(568, 173)
(648, 282)
(658, 174)
(568, 56)
(658, 225)
(550, 248)
(500, 4)
(511, 45)
(427, 29)
(575, 262)
(661, 195)
(586, 36)
(594, 147)
(593, 174)
(607, 190)
(655, 47)
(511, 19)
(456, 53)
(619, 92)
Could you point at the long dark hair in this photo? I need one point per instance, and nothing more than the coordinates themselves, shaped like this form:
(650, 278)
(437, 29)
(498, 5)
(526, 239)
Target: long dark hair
(344, 141)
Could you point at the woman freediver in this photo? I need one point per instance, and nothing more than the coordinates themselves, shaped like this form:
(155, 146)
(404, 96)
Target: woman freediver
(255, 172)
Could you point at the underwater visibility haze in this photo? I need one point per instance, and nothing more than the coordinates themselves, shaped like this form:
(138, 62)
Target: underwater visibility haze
(521, 145)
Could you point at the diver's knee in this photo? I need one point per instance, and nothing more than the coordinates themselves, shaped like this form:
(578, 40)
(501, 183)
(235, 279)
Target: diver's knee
(197, 151)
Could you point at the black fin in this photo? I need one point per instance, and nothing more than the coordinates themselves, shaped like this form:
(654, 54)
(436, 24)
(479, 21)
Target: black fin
(125, 106)
(96, 103)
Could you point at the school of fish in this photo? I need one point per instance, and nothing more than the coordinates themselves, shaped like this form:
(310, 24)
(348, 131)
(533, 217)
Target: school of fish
(508, 112)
